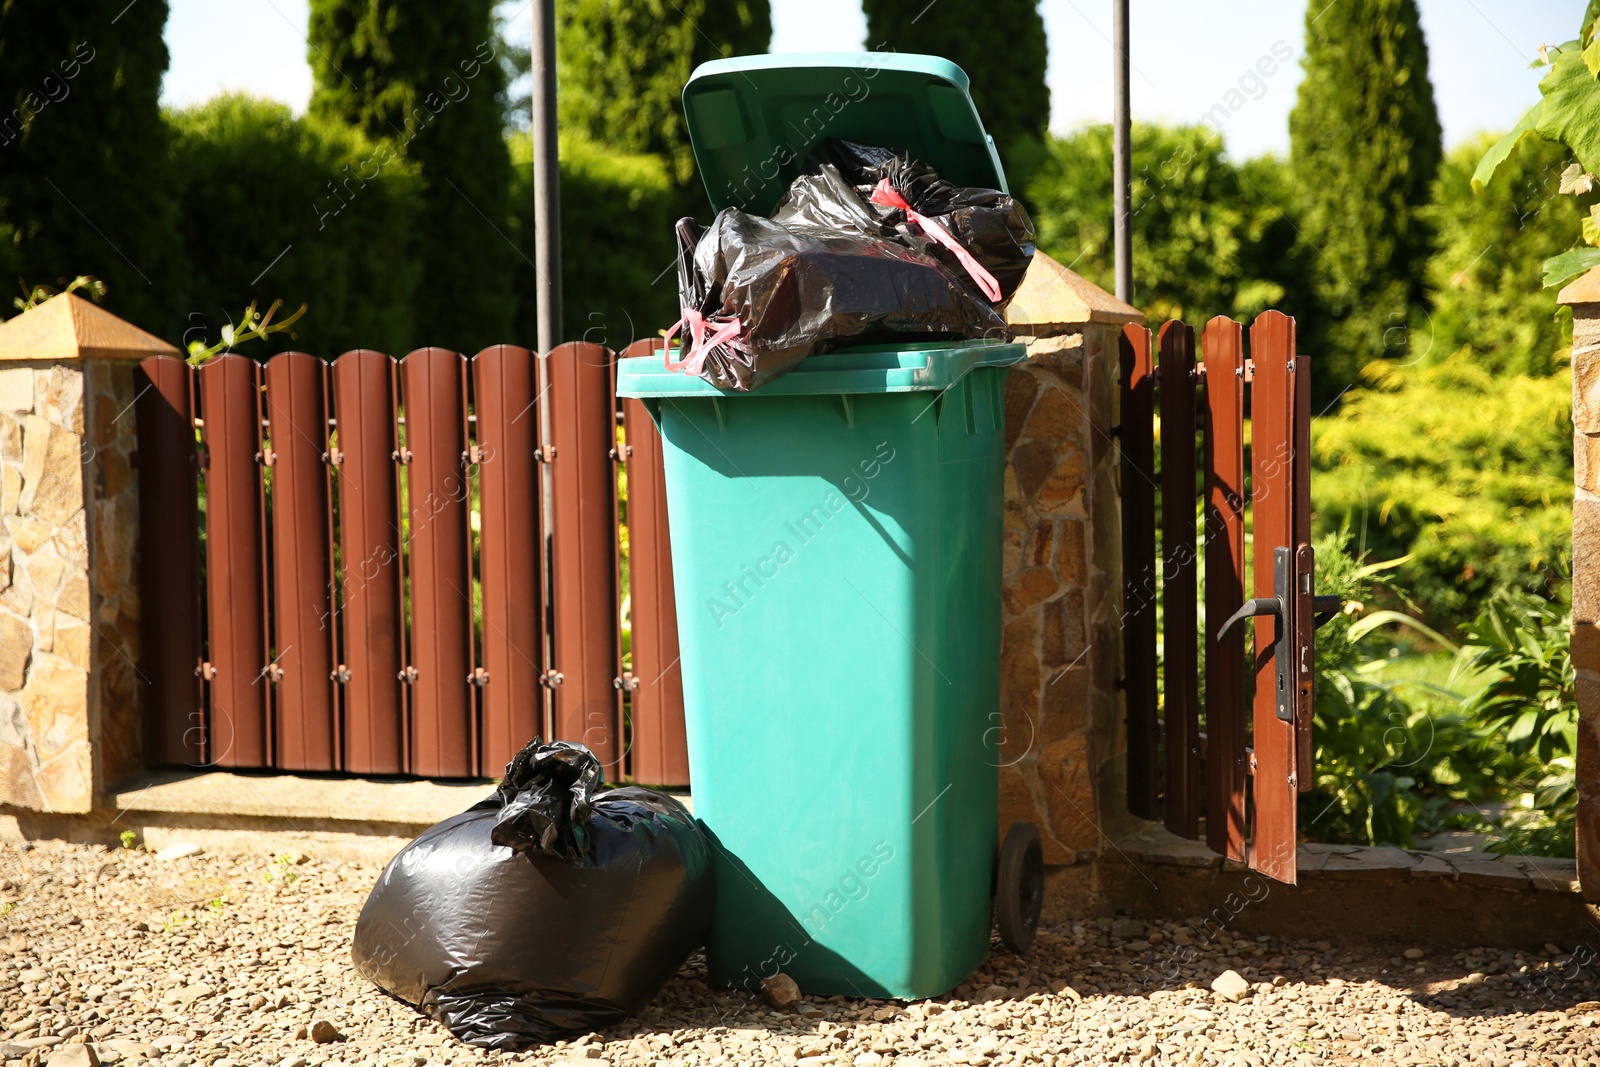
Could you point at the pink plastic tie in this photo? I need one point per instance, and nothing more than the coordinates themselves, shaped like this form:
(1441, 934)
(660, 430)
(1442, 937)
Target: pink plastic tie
(704, 335)
(886, 195)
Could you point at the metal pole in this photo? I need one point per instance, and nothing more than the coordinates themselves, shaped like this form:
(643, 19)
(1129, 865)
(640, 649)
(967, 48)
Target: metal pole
(1121, 154)
(546, 176)
(547, 300)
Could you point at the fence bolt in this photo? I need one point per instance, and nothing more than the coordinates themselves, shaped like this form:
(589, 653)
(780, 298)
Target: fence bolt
(401, 456)
(626, 453)
(552, 678)
(472, 456)
(273, 673)
(266, 456)
(479, 676)
(333, 457)
(340, 674)
(206, 671)
(408, 675)
(627, 681)
(547, 454)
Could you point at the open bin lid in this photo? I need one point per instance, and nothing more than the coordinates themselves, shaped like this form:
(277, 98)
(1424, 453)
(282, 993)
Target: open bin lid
(753, 119)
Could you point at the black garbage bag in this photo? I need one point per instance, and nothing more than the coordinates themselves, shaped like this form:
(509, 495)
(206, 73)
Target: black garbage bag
(547, 910)
(761, 295)
(986, 224)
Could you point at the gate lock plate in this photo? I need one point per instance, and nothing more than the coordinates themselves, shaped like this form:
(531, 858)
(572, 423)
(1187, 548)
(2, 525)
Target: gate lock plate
(1298, 613)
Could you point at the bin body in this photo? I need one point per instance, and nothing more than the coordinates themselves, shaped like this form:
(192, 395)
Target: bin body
(836, 541)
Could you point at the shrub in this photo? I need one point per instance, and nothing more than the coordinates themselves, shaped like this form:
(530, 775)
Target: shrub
(1207, 239)
(1466, 472)
(619, 275)
(274, 206)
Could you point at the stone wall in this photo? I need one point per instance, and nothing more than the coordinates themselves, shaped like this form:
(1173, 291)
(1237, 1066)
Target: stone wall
(1063, 742)
(68, 599)
(1584, 296)
(69, 517)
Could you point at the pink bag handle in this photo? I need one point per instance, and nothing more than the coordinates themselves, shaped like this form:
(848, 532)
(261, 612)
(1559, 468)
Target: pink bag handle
(701, 341)
(886, 195)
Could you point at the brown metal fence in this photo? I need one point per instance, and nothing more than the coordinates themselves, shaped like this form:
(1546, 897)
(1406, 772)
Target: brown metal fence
(387, 567)
(1241, 774)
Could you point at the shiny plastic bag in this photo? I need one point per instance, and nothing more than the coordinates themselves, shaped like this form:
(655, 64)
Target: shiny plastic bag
(760, 296)
(547, 910)
(986, 224)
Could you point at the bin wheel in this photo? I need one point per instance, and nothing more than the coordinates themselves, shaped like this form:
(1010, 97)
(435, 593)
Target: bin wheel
(1019, 886)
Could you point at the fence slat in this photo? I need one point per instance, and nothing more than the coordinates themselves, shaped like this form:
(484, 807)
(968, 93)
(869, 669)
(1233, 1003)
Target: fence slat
(168, 518)
(582, 548)
(1226, 772)
(1272, 849)
(1137, 469)
(1301, 436)
(237, 713)
(444, 735)
(505, 388)
(1180, 580)
(305, 728)
(371, 623)
(659, 747)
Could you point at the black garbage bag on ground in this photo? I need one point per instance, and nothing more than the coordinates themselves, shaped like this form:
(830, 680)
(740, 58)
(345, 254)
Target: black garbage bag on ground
(760, 296)
(547, 910)
(986, 224)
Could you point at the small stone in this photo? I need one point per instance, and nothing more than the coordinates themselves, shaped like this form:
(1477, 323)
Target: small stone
(1127, 929)
(1413, 953)
(292, 1061)
(1062, 989)
(867, 1059)
(73, 1056)
(781, 992)
(1475, 978)
(1230, 986)
(1155, 937)
(178, 851)
(258, 1002)
(10, 1050)
(322, 1032)
(1552, 948)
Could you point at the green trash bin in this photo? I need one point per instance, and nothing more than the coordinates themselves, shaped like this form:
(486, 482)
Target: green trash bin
(836, 541)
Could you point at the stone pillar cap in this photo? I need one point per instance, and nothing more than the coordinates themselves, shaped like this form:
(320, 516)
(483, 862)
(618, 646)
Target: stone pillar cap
(69, 327)
(1585, 290)
(1052, 295)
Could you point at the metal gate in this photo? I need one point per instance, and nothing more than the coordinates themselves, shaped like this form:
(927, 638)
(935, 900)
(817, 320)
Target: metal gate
(387, 567)
(1240, 761)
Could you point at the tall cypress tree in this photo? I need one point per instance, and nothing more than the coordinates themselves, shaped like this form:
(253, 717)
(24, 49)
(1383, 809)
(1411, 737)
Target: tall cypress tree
(425, 76)
(85, 184)
(999, 43)
(1365, 147)
(623, 64)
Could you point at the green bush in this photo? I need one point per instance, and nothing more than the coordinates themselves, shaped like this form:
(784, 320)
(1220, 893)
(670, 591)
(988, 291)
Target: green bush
(1484, 279)
(273, 206)
(1390, 753)
(1467, 472)
(1528, 703)
(1208, 238)
(619, 279)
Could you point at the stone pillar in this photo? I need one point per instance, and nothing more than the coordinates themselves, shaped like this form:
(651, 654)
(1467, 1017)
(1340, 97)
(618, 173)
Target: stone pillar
(1063, 740)
(1584, 297)
(69, 515)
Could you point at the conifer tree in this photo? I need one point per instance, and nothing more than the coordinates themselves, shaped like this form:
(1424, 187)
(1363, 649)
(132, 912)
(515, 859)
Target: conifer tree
(426, 77)
(1364, 149)
(85, 184)
(999, 43)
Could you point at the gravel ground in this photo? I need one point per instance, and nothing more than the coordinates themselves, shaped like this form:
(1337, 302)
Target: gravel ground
(223, 961)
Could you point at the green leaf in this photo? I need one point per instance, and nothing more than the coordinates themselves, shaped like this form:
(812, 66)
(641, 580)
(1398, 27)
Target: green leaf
(1367, 623)
(1591, 58)
(1569, 110)
(1559, 270)
(1502, 150)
